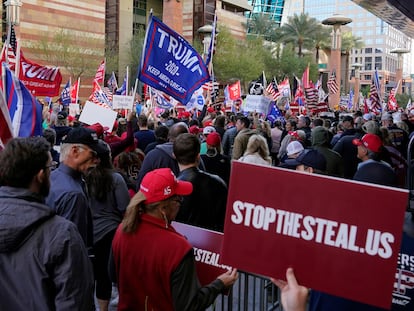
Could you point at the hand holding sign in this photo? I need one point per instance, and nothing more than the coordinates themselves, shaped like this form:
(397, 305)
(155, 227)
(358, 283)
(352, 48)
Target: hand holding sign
(294, 296)
(229, 278)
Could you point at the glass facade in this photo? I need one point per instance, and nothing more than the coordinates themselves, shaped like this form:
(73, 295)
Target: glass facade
(272, 8)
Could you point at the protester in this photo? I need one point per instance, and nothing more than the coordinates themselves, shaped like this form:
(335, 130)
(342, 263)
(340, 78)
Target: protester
(243, 134)
(144, 135)
(155, 267)
(309, 160)
(214, 161)
(320, 142)
(68, 197)
(162, 155)
(161, 136)
(257, 151)
(44, 264)
(372, 168)
(276, 134)
(108, 195)
(206, 205)
(50, 135)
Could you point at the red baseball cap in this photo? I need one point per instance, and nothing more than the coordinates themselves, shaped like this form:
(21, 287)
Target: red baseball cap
(160, 184)
(213, 139)
(370, 141)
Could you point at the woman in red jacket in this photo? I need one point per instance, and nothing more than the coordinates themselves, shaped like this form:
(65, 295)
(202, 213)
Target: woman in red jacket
(154, 264)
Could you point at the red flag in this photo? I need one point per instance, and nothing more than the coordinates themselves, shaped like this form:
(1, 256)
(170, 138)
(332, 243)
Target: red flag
(235, 90)
(6, 129)
(100, 73)
(305, 78)
(74, 92)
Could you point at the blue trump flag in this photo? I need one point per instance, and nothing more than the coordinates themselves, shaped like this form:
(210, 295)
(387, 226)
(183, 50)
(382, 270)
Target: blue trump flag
(65, 95)
(25, 111)
(170, 64)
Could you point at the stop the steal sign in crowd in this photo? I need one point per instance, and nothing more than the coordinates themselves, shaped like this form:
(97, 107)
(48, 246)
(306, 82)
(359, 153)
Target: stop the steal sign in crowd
(341, 237)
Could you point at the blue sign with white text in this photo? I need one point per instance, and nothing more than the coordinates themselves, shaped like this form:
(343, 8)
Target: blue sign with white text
(170, 64)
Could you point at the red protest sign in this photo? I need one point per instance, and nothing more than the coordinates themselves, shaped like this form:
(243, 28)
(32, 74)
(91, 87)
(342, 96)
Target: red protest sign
(341, 237)
(206, 245)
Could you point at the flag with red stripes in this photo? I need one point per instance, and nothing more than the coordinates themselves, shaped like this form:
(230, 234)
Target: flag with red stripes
(100, 73)
(99, 97)
(333, 86)
(273, 90)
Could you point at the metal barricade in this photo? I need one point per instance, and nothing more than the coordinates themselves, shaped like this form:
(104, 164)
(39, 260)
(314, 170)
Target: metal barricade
(249, 293)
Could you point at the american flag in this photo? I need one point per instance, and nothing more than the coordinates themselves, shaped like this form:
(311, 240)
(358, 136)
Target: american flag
(99, 97)
(375, 102)
(333, 86)
(312, 96)
(392, 101)
(273, 90)
(100, 73)
(13, 41)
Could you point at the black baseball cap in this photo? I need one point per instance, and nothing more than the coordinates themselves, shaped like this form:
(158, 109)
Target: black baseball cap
(84, 136)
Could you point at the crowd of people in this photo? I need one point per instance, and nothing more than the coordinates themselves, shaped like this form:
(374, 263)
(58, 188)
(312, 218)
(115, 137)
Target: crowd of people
(82, 208)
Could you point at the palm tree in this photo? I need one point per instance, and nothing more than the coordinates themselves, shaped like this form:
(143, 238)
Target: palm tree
(300, 31)
(261, 25)
(349, 42)
(322, 40)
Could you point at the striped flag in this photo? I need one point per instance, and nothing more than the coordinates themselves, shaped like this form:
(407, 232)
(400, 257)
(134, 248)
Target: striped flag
(24, 110)
(392, 101)
(112, 83)
(99, 97)
(273, 90)
(305, 78)
(312, 97)
(213, 42)
(374, 98)
(108, 93)
(100, 73)
(333, 86)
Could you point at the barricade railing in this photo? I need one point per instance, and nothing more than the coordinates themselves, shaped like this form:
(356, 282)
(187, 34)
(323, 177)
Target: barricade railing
(250, 293)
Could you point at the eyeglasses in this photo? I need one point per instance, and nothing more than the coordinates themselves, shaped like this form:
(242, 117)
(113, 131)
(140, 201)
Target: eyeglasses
(53, 165)
(93, 152)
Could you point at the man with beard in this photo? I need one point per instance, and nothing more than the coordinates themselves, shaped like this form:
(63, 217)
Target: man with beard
(68, 195)
(43, 261)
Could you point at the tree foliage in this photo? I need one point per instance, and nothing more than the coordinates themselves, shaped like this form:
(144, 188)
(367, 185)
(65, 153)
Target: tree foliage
(79, 54)
(300, 31)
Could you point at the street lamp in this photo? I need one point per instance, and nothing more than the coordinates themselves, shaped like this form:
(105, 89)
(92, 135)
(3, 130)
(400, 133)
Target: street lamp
(357, 67)
(206, 31)
(399, 71)
(13, 11)
(336, 21)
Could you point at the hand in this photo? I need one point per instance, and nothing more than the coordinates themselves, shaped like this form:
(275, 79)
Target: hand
(229, 278)
(131, 114)
(294, 296)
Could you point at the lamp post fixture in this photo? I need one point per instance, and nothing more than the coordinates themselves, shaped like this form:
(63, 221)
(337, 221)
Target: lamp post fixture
(206, 31)
(336, 21)
(399, 71)
(13, 11)
(357, 67)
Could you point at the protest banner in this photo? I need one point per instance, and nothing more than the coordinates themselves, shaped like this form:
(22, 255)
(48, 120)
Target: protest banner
(341, 237)
(93, 113)
(170, 64)
(122, 102)
(206, 245)
(257, 103)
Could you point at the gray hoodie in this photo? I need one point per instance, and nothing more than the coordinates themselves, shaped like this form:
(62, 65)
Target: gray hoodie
(43, 261)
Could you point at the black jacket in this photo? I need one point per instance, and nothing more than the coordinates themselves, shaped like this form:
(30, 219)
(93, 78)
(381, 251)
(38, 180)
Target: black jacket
(206, 205)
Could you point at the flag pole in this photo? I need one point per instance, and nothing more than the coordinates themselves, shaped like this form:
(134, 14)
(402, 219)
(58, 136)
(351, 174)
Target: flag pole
(17, 68)
(77, 91)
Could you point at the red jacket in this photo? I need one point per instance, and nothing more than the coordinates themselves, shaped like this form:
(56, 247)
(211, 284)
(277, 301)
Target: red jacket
(144, 262)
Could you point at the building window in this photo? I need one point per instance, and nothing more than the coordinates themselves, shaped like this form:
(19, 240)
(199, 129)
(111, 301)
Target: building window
(368, 50)
(140, 7)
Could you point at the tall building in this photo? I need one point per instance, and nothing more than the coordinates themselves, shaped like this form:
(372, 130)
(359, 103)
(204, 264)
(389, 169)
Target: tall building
(271, 8)
(379, 37)
(41, 20)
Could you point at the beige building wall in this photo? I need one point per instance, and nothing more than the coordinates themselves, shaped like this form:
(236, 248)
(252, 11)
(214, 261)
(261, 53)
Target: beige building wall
(42, 19)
